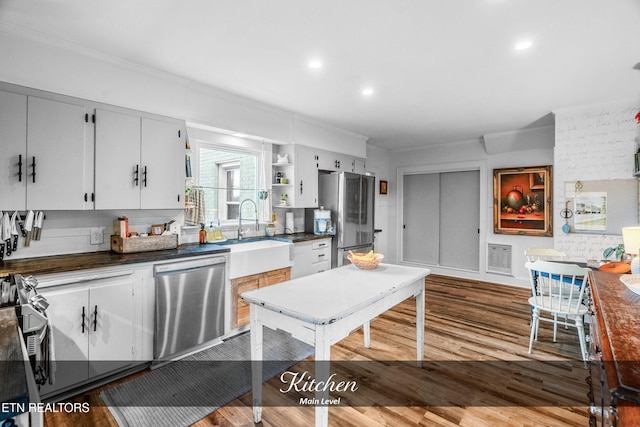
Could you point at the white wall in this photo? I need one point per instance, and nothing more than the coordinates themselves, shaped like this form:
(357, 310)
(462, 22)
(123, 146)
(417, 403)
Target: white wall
(378, 164)
(530, 147)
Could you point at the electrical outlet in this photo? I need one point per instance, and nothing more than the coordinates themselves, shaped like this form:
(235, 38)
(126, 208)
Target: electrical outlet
(97, 235)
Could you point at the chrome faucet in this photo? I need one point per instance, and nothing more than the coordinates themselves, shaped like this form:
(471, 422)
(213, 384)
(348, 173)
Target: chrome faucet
(255, 207)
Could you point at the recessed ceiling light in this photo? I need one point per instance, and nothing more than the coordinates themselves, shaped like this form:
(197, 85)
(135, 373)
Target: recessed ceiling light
(524, 44)
(367, 91)
(315, 64)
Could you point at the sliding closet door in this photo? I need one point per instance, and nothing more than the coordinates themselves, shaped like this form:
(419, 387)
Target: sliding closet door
(420, 222)
(441, 218)
(460, 220)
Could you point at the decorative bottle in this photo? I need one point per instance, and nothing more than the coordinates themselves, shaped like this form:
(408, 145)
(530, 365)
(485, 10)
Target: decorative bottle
(203, 234)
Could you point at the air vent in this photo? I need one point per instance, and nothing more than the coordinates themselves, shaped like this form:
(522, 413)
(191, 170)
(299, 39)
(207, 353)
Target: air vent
(498, 258)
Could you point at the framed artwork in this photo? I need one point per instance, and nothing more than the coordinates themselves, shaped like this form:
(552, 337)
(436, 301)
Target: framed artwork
(522, 201)
(383, 187)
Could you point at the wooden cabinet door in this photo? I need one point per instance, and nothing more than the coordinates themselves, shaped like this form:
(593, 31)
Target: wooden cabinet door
(117, 160)
(13, 140)
(162, 165)
(277, 276)
(239, 308)
(68, 313)
(111, 325)
(56, 155)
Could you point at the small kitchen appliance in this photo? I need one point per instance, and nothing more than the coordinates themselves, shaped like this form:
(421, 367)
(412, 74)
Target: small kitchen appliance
(322, 222)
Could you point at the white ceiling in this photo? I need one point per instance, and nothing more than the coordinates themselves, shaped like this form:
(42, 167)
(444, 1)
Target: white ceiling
(442, 70)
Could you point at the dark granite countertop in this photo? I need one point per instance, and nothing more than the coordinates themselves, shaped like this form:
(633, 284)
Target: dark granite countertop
(300, 237)
(83, 261)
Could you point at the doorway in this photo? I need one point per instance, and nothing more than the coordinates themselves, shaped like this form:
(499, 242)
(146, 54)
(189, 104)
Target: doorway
(441, 219)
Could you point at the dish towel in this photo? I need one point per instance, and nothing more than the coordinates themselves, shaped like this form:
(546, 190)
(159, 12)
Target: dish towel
(195, 215)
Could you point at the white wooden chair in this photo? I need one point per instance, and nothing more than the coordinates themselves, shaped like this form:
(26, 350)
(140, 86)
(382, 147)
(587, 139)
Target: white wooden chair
(547, 254)
(558, 290)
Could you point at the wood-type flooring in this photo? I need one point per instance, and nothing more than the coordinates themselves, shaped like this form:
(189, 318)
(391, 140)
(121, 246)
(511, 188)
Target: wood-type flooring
(469, 324)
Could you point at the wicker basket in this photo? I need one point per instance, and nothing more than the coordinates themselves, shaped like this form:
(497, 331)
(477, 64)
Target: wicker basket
(365, 264)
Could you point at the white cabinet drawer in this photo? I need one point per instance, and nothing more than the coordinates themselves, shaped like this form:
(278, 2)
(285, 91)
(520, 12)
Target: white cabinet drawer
(317, 267)
(321, 244)
(321, 255)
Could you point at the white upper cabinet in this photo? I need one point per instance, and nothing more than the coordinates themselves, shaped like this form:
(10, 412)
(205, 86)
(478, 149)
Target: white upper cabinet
(162, 159)
(139, 161)
(13, 155)
(117, 161)
(43, 154)
(56, 155)
(302, 176)
(337, 162)
(306, 182)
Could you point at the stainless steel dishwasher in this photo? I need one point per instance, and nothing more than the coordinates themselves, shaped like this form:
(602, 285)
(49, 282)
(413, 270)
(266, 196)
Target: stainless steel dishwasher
(190, 304)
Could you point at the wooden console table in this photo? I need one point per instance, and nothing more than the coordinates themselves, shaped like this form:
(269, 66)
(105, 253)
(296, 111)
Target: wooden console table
(615, 352)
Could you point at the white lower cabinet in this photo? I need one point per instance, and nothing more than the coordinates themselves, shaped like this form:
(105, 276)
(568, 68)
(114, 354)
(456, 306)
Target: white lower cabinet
(311, 257)
(93, 326)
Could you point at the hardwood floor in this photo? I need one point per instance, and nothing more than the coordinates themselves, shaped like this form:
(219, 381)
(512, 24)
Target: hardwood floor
(476, 342)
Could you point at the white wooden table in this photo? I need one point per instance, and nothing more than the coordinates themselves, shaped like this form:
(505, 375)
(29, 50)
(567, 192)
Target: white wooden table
(322, 309)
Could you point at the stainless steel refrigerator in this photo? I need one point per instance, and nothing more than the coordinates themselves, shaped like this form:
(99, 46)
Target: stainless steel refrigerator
(350, 198)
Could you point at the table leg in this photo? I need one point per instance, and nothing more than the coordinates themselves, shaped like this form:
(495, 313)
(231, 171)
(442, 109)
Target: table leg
(256, 364)
(322, 356)
(367, 334)
(420, 326)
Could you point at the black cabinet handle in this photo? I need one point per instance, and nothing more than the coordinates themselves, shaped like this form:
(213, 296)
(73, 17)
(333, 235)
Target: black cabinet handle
(20, 168)
(144, 176)
(83, 316)
(300, 186)
(33, 165)
(136, 175)
(95, 318)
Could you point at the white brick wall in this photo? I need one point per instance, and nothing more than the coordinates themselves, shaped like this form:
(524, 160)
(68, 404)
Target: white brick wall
(591, 143)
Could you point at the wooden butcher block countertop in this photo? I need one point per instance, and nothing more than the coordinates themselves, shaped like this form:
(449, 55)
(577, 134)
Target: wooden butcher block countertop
(75, 262)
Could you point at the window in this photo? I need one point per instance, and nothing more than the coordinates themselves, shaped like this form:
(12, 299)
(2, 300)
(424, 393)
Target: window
(227, 176)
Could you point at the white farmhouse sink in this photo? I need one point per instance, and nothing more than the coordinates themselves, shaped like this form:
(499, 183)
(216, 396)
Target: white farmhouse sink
(258, 256)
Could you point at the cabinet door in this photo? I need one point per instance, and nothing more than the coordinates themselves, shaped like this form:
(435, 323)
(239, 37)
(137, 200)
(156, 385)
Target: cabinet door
(55, 155)
(277, 276)
(111, 325)
(327, 161)
(302, 259)
(68, 314)
(117, 160)
(13, 140)
(305, 187)
(239, 308)
(359, 165)
(162, 173)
